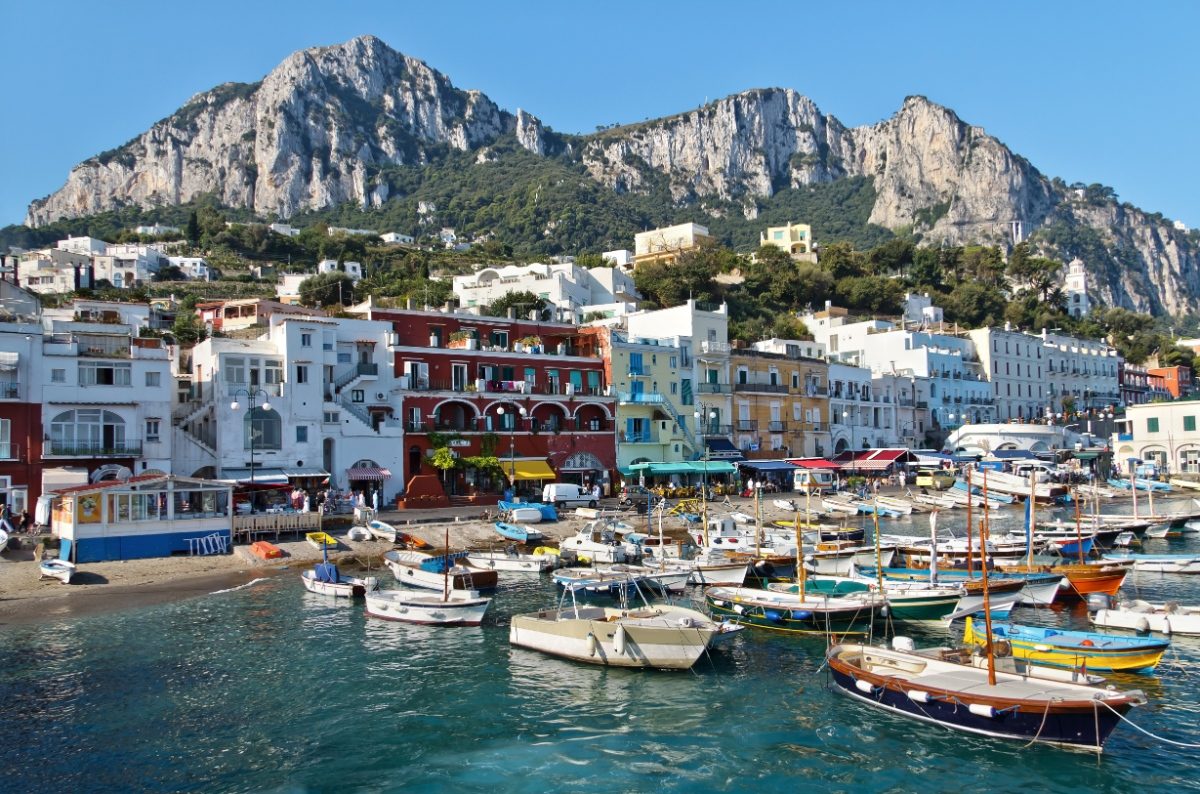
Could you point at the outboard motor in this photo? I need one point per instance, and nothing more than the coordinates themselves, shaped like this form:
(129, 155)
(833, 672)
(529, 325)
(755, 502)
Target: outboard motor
(1098, 601)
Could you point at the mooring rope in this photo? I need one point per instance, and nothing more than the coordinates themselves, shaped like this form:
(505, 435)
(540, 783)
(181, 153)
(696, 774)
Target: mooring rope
(1143, 730)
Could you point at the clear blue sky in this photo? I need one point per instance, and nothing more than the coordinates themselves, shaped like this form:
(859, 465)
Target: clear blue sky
(1089, 91)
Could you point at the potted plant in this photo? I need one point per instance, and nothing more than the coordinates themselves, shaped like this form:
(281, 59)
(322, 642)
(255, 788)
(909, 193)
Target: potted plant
(463, 340)
(531, 343)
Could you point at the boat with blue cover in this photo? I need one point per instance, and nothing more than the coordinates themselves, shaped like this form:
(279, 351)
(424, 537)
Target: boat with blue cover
(1039, 587)
(324, 578)
(417, 569)
(518, 533)
(1073, 649)
(547, 512)
(797, 612)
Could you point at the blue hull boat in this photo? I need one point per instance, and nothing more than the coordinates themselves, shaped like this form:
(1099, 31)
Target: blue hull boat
(517, 533)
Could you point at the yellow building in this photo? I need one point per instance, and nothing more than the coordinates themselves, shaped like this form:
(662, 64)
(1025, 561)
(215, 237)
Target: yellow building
(780, 403)
(795, 238)
(666, 244)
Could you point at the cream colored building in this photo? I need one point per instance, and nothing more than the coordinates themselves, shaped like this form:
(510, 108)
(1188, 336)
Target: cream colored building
(795, 238)
(666, 244)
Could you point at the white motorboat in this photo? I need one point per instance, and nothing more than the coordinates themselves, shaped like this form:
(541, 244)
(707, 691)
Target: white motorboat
(786, 505)
(658, 577)
(1160, 563)
(325, 579)
(742, 518)
(524, 515)
(596, 542)
(840, 557)
(359, 533)
(511, 561)
(417, 569)
(663, 637)
(1143, 616)
(458, 608)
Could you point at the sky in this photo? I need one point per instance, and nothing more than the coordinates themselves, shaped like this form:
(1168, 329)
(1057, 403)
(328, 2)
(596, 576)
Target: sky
(1087, 91)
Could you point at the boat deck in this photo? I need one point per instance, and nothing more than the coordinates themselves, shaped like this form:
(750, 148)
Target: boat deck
(970, 682)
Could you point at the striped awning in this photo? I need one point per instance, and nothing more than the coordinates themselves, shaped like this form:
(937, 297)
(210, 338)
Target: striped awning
(365, 473)
(8, 361)
(305, 471)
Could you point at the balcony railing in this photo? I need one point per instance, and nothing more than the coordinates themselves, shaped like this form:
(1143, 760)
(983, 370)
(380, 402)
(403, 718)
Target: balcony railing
(10, 390)
(717, 430)
(713, 388)
(747, 425)
(765, 388)
(646, 397)
(271, 389)
(645, 437)
(714, 347)
(777, 427)
(816, 391)
(90, 449)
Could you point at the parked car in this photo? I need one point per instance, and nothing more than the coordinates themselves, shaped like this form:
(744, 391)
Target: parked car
(567, 494)
(937, 479)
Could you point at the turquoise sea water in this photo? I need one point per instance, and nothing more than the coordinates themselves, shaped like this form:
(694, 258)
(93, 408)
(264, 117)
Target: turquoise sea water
(274, 689)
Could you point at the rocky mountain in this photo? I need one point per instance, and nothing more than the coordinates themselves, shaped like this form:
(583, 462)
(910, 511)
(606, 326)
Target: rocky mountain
(326, 126)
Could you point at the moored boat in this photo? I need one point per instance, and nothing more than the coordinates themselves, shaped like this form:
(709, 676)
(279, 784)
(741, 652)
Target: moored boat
(1159, 563)
(60, 567)
(324, 578)
(518, 533)
(511, 561)
(321, 540)
(458, 608)
(417, 569)
(385, 531)
(794, 611)
(1072, 649)
(1143, 616)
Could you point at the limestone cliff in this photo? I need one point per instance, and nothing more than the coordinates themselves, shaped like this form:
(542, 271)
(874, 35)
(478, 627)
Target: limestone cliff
(320, 129)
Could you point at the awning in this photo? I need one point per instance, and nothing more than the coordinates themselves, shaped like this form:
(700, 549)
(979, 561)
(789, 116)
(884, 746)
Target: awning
(8, 361)
(527, 470)
(1086, 455)
(659, 469)
(305, 471)
(875, 459)
(814, 463)
(712, 467)
(367, 473)
(1012, 454)
(767, 465)
(63, 477)
(723, 449)
(260, 477)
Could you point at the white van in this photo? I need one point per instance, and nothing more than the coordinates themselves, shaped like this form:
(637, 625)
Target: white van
(812, 480)
(567, 494)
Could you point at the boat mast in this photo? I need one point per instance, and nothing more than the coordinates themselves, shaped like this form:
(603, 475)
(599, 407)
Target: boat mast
(970, 502)
(757, 519)
(933, 560)
(446, 569)
(1078, 532)
(1030, 519)
(799, 543)
(878, 553)
(987, 605)
(704, 500)
(1133, 488)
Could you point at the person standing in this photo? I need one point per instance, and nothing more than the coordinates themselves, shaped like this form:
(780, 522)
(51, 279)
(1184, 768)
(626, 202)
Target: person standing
(6, 518)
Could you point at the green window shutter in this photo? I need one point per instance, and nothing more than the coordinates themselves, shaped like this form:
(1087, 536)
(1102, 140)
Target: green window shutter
(1189, 423)
(1151, 425)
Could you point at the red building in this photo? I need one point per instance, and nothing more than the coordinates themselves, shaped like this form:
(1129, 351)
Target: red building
(20, 416)
(1178, 380)
(532, 394)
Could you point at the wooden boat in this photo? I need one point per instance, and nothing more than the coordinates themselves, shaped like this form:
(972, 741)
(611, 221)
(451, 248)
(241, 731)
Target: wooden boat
(941, 686)
(1015, 486)
(1072, 649)
(1159, 563)
(715, 568)
(321, 540)
(1039, 586)
(325, 579)
(266, 551)
(385, 531)
(657, 637)
(417, 569)
(600, 581)
(1192, 485)
(518, 533)
(1143, 616)
(792, 612)
(648, 547)
(786, 505)
(915, 601)
(839, 557)
(358, 533)
(449, 608)
(60, 567)
(1087, 578)
(659, 578)
(511, 561)
(901, 506)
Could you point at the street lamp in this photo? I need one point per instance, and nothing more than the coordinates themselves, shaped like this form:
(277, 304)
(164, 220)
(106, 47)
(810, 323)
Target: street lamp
(512, 442)
(251, 396)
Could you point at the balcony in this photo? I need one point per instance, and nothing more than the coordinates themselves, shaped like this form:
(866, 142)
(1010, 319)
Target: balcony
(271, 389)
(777, 427)
(816, 391)
(763, 388)
(717, 430)
(638, 373)
(645, 437)
(639, 398)
(713, 388)
(10, 390)
(747, 425)
(92, 449)
(712, 347)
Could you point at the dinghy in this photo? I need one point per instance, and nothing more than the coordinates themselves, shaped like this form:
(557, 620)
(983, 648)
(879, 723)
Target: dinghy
(511, 561)
(60, 567)
(1089, 650)
(518, 533)
(325, 579)
(448, 608)
(385, 531)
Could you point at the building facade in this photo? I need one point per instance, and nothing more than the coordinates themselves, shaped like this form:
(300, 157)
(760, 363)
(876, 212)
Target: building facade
(666, 244)
(794, 238)
(780, 401)
(1164, 433)
(1177, 380)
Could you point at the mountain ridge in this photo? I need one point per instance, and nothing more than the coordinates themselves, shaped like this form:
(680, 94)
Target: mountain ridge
(328, 125)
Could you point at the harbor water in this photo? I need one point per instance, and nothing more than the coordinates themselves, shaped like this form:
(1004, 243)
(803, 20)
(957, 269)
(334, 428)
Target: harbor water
(269, 688)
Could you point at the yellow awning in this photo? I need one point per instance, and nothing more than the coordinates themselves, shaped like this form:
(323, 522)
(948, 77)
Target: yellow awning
(528, 470)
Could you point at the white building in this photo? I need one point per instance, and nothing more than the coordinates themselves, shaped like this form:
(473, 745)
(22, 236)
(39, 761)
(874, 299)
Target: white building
(134, 315)
(126, 266)
(106, 396)
(860, 417)
(88, 246)
(332, 381)
(395, 238)
(194, 267)
(702, 338)
(156, 230)
(1080, 372)
(54, 271)
(1075, 289)
(1017, 371)
(668, 242)
(1162, 432)
(985, 438)
(284, 229)
(919, 310)
(622, 258)
(566, 286)
(353, 269)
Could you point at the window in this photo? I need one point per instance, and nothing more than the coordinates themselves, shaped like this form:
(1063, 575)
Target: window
(1152, 425)
(235, 370)
(6, 448)
(301, 373)
(795, 380)
(152, 427)
(272, 371)
(153, 379)
(263, 429)
(103, 374)
(331, 417)
(674, 388)
(1189, 424)
(305, 340)
(674, 362)
(301, 434)
(88, 430)
(358, 395)
(343, 358)
(58, 376)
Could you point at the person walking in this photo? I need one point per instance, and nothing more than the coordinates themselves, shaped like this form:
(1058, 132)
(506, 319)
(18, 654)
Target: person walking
(6, 518)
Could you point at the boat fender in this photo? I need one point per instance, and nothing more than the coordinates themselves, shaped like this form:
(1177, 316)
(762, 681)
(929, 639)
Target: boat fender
(592, 644)
(619, 641)
(1042, 648)
(685, 622)
(982, 710)
(772, 614)
(1143, 626)
(917, 696)
(738, 608)
(883, 611)
(801, 614)
(719, 603)
(864, 686)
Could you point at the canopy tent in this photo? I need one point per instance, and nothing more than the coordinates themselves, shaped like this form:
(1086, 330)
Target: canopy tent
(684, 467)
(874, 459)
(527, 470)
(305, 471)
(723, 449)
(712, 467)
(767, 465)
(367, 473)
(260, 476)
(813, 463)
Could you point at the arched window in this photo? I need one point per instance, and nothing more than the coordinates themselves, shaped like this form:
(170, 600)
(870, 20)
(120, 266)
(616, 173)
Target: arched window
(263, 429)
(90, 430)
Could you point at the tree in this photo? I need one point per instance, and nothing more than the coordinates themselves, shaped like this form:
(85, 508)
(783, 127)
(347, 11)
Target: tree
(444, 460)
(523, 301)
(327, 288)
(187, 329)
(192, 231)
